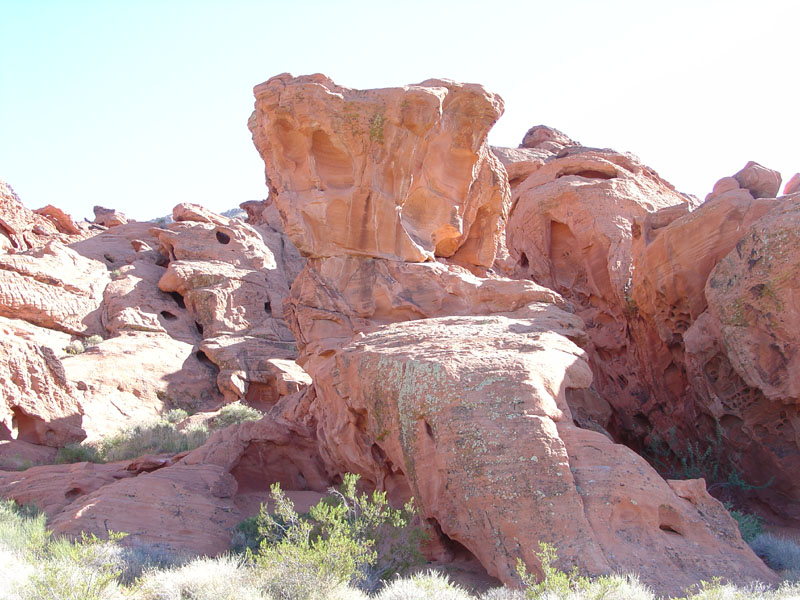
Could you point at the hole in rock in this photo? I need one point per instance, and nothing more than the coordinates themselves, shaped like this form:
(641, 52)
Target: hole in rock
(378, 455)
(178, 299)
(162, 261)
(24, 426)
(668, 529)
(523, 260)
(263, 463)
(203, 358)
(198, 327)
(168, 315)
(223, 238)
(443, 548)
(429, 430)
(268, 307)
(73, 493)
(109, 258)
(588, 174)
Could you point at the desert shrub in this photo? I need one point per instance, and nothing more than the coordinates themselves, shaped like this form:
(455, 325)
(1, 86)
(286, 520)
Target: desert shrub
(716, 590)
(75, 347)
(175, 416)
(346, 539)
(423, 586)
(234, 414)
(222, 578)
(558, 585)
(22, 528)
(246, 535)
(75, 453)
(503, 593)
(92, 340)
(750, 525)
(709, 459)
(779, 553)
(156, 437)
(85, 569)
(41, 567)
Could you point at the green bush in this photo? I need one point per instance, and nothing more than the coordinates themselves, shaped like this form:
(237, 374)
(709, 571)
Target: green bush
(750, 525)
(75, 453)
(336, 544)
(157, 437)
(175, 416)
(558, 585)
(234, 414)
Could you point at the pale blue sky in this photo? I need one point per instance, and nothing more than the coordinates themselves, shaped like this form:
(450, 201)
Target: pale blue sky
(143, 104)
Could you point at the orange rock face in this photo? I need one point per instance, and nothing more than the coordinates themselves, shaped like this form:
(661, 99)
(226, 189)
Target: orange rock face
(432, 381)
(400, 173)
(641, 271)
(372, 308)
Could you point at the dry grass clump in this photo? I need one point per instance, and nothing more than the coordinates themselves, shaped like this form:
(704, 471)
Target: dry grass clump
(779, 553)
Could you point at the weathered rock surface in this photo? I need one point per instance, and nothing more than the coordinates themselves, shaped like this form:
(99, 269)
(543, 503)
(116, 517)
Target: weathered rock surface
(573, 226)
(22, 229)
(625, 249)
(400, 173)
(38, 403)
(447, 408)
(793, 185)
(232, 286)
(108, 217)
(159, 354)
(759, 180)
(471, 414)
(742, 353)
(53, 287)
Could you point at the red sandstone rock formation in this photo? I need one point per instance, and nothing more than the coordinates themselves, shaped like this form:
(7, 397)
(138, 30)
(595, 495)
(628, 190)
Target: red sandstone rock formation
(486, 398)
(623, 247)
(21, 229)
(468, 413)
(108, 217)
(400, 173)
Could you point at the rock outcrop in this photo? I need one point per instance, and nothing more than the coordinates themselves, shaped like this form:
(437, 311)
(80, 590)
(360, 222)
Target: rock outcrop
(472, 327)
(22, 229)
(431, 381)
(645, 271)
(399, 173)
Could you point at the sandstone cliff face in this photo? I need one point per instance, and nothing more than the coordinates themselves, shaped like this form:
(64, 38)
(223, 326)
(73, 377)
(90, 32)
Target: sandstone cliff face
(645, 269)
(400, 173)
(431, 381)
